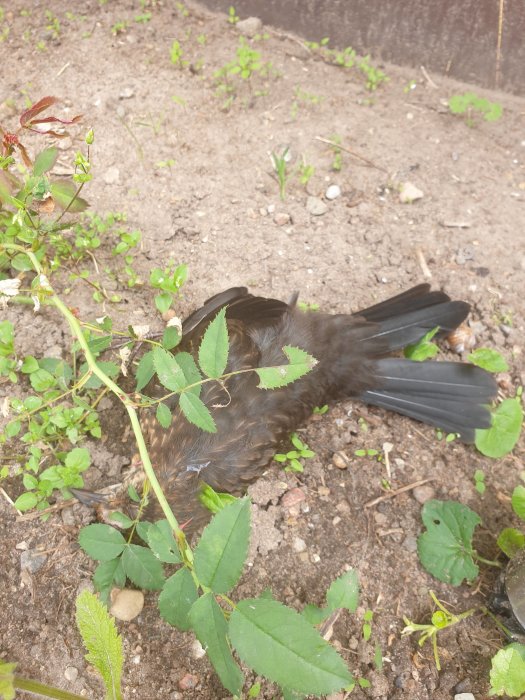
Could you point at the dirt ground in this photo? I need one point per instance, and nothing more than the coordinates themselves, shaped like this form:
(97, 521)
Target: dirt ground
(216, 207)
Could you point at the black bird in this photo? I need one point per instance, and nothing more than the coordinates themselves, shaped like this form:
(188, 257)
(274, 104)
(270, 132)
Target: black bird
(352, 353)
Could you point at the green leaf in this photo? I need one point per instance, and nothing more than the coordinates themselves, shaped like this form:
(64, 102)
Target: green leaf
(222, 548)
(29, 365)
(510, 541)
(171, 337)
(278, 643)
(42, 380)
(191, 371)
(488, 359)
(63, 192)
(315, 615)
(109, 368)
(102, 641)
(163, 415)
(162, 542)
(45, 160)
(344, 592)
(145, 370)
(26, 501)
(213, 351)
(501, 437)
(108, 574)
(197, 412)
(300, 362)
(207, 620)
(507, 673)
(123, 520)
(101, 542)
(79, 459)
(214, 501)
(169, 372)
(142, 567)
(7, 679)
(445, 549)
(423, 349)
(177, 596)
(518, 501)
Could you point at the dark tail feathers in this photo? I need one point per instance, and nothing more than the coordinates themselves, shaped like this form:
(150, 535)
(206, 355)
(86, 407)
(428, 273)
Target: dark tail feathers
(447, 395)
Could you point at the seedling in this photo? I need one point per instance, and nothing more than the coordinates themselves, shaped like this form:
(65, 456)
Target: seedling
(470, 104)
(291, 458)
(248, 62)
(119, 28)
(440, 620)
(233, 18)
(280, 165)
(306, 171)
(479, 481)
(337, 159)
(176, 55)
(169, 281)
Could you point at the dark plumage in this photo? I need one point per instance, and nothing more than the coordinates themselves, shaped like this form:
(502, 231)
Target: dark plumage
(351, 351)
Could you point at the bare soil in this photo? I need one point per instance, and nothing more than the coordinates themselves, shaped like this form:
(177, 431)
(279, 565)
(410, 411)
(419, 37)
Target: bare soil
(217, 208)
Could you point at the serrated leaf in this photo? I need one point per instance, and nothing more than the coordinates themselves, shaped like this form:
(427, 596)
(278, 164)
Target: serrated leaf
(488, 359)
(278, 643)
(510, 541)
(344, 592)
(142, 567)
(162, 542)
(507, 673)
(171, 337)
(101, 542)
(177, 596)
(108, 574)
(145, 370)
(169, 371)
(102, 641)
(79, 459)
(196, 412)
(299, 363)
(213, 350)
(501, 437)
(445, 549)
(163, 415)
(207, 620)
(191, 371)
(518, 501)
(221, 551)
(42, 380)
(45, 160)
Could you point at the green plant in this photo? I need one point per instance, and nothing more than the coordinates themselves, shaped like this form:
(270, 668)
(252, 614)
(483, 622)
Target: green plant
(507, 672)
(374, 76)
(440, 620)
(291, 458)
(119, 27)
(143, 18)
(337, 153)
(169, 281)
(347, 58)
(53, 24)
(247, 63)
(232, 15)
(280, 166)
(479, 481)
(176, 55)
(306, 171)
(470, 104)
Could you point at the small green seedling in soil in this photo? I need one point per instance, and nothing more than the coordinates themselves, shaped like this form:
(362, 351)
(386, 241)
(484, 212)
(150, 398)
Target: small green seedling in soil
(440, 620)
(510, 540)
(119, 28)
(308, 306)
(367, 625)
(320, 410)
(410, 86)
(369, 453)
(143, 18)
(470, 104)
(424, 349)
(53, 25)
(337, 159)
(306, 171)
(233, 18)
(479, 481)
(280, 166)
(374, 76)
(169, 281)
(291, 458)
(176, 55)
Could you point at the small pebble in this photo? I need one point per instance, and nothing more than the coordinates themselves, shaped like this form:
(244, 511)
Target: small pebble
(197, 650)
(126, 604)
(299, 545)
(32, 561)
(126, 93)
(336, 520)
(281, 218)
(315, 559)
(323, 491)
(292, 497)
(424, 493)
(71, 673)
(188, 681)
(464, 696)
(316, 206)
(341, 460)
(112, 175)
(343, 507)
(409, 193)
(333, 192)
(249, 27)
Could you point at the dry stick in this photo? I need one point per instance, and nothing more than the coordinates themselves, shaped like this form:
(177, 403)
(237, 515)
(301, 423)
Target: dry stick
(500, 37)
(428, 78)
(350, 152)
(423, 263)
(396, 492)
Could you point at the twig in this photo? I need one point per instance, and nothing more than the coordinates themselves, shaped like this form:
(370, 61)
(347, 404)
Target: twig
(423, 263)
(350, 152)
(64, 67)
(9, 500)
(500, 37)
(396, 492)
(428, 78)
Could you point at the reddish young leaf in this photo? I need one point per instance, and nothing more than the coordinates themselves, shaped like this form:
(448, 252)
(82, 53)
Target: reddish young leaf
(36, 109)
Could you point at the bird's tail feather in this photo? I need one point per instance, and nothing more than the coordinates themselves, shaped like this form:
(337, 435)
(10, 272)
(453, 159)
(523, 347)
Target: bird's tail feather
(448, 395)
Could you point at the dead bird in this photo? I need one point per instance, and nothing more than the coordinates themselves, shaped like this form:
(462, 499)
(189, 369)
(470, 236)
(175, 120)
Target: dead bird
(352, 361)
